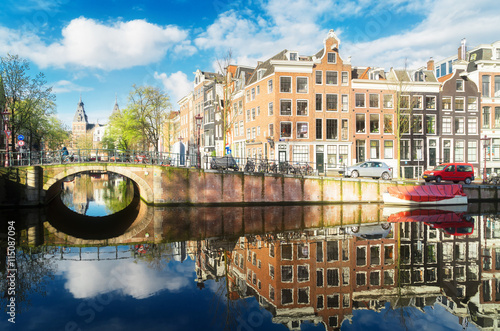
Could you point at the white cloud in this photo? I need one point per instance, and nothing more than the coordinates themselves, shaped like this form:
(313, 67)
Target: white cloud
(65, 86)
(92, 44)
(438, 35)
(87, 279)
(177, 85)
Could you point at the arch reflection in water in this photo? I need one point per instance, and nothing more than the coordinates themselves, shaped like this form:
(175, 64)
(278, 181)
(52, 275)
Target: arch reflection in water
(317, 264)
(97, 193)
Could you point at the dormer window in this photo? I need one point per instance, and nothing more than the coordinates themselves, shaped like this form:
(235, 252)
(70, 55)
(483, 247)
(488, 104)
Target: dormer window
(294, 56)
(332, 57)
(374, 75)
(419, 76)
(460, 85)
(260, 74)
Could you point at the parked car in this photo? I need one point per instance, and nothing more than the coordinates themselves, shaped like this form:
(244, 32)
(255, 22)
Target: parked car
(374, 169)
(455, 172)
(370, 231)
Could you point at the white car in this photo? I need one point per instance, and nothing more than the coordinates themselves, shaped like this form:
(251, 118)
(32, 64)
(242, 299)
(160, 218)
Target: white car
(374, 169)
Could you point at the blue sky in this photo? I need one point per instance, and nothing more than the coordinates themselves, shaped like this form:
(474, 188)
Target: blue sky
(99, 49)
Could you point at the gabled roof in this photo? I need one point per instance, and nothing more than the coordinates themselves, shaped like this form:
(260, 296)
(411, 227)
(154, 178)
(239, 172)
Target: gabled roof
(267, 66)
(80, 115)
(442, 79)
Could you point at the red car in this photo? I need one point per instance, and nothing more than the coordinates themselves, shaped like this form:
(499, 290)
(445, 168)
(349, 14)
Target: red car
(455, 172)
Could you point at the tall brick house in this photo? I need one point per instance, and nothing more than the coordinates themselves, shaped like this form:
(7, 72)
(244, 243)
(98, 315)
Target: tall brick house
(296, 107)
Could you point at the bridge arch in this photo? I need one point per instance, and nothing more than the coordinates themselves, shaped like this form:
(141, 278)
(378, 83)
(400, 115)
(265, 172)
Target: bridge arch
(145, 189)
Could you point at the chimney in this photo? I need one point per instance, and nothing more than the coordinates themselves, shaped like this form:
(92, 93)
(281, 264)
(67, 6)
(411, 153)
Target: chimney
(430, 64)
(462, 50)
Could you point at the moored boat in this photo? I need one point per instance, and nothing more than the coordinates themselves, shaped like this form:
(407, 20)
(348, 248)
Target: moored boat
(425, 195)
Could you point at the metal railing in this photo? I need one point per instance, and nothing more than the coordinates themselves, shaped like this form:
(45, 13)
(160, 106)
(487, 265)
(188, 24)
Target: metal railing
(228, 162)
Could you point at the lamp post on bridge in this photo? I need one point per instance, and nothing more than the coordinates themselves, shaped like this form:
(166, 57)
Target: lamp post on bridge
(486, 144)
(5, 117)
(199, 119)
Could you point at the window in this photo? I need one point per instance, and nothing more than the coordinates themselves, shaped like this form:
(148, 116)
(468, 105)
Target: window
(303, 273)
(459, 104)
(418, 126)
(374, 123)
(416, 101)
(332, 277)
(303, 296)
(285, 107)
(447, 103)
(405, 149)
(460, 85)
(331, 77)
(286, 129)
(285, 84)
(388, 120)
(388, 101)
(472, 151)
(319, 102)
(332, 58)
(360, 100)
(404, 124)
(430, 102)
(302, 85)
(345, 78)
(360, 123)
(293, 56)
(375, 278)
(319, 77)
(374, 149)
(343, 153)
(388, 149)
(486, 86)
(430, 124)
(319, 128)
(345, 102)
(360, 278)
(258, 89)
(331, 128)
(388, 254)
(248, 117)
(404, 102)
(332, 250)
(459, 125)
(253, 114)
(418, 148)
(446, 125)
(333, 301)
(331, 102)
(360, 256)
(471, 103)
(248, 95)
(486, 117)
(472, 125)
(374, 100)
(270, 109)
(301, 107)
(497, 86)
(344, 129)
(271, 130)
(253, 93)
(459, 151)
(286, 296)
(446, 151)
(333, 321)
(269, 86)
(496, 122)
(320, 302)
(302, 130)
(332, 155)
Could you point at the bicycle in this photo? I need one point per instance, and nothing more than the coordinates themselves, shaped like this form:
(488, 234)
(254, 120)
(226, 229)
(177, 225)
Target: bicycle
(250, 166)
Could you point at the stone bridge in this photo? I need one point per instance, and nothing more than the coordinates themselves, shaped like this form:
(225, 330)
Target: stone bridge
(159, 185)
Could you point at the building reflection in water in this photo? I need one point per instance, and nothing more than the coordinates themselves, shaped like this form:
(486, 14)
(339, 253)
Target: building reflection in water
(322, 274)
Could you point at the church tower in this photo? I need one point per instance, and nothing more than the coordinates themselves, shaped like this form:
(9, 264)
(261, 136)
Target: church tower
(80, 121)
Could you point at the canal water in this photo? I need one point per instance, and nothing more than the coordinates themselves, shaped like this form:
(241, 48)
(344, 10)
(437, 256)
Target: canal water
(327, 267)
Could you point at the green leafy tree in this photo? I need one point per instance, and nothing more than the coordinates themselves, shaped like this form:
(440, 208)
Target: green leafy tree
(28, 99)
(150, 107)
(123, 131)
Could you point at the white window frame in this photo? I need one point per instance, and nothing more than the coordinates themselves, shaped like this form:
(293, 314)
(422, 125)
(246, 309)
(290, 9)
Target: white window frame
(297, 106)
(469, 122)
(346, 75)
(464, 105)
(297, 130)
(269, 86)
(463, 125)
(442, 125)
(291, 107)
(435, 124)
(326, 78)
(364, 100)
(451, 103)
(291, 84)
(342, 103)
(474, 103)
(270, 109)
(370, 126)
(297, 84)
(369, 100)
(421, 116)
(291, 129)
(409, 150)
(391, 102)
(334, 57)
(435, 104)
(316, 103)
(316, 75)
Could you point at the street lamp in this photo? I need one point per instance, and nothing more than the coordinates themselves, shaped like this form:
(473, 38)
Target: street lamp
(198, 119)
(486, 144)
(5, 117)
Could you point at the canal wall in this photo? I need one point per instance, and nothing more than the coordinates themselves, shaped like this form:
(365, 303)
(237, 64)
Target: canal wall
(157, 185)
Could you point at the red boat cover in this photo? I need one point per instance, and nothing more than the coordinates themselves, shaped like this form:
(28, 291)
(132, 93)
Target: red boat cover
(426, 216)
(424, 193)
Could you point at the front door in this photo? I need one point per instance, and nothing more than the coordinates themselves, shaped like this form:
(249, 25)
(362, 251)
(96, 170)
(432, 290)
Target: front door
(320, 159)
(432, 153)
